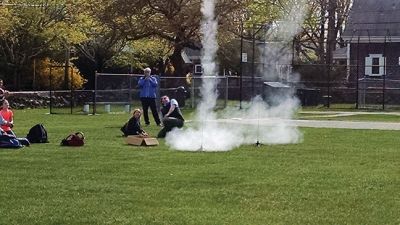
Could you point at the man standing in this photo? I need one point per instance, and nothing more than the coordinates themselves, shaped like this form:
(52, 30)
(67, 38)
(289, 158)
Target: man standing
(172, 116)
(148, 87)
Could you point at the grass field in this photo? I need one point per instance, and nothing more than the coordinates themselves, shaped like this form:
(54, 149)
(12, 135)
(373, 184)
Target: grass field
(333, 177)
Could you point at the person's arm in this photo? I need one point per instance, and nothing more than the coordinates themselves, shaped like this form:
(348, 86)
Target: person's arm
(143, 133)
(141, 82)
(153, 81)
(11, 122)
(12, 117)
(2, 120)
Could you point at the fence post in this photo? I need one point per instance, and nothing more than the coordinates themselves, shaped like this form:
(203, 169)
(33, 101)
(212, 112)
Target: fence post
(51, 95)
(241, 64)
(329, 86)
(192, 92)
(72, 89)
(384, 74)
(226, 90)
(95, 93)
(130, 79)
(357, 72)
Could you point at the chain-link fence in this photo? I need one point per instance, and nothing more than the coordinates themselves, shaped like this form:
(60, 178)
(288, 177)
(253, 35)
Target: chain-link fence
(361, 72)
(327, 86)
(118, 93)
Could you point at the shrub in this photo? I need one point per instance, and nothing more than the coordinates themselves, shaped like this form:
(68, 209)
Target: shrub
(57, 72)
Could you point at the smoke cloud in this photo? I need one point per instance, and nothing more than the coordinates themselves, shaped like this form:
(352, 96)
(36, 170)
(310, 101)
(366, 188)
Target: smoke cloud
(259, 121)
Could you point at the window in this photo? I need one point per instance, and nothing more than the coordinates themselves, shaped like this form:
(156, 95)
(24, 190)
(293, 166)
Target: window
(375, 65)
(198, 69)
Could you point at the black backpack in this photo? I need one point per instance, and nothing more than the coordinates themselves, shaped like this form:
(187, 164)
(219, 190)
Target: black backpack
(37, 134)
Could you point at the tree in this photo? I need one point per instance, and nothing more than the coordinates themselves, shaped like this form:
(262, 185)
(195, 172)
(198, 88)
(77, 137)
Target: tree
(176, 21)
(35, 28)
(323, 22)
(143, 53)
(322, 28)
(108, 34)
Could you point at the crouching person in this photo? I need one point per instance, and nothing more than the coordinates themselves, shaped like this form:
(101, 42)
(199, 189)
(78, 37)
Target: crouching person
(132, 127)
(172, 116)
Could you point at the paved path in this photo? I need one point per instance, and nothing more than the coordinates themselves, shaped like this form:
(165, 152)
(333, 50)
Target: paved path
(364, 125)
(332, 114)
(317, 123)
(348, 124)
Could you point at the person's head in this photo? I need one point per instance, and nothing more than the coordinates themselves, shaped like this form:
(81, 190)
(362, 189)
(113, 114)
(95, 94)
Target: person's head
(136, 113)
(164, 99)
(147, 71)
(5, 104)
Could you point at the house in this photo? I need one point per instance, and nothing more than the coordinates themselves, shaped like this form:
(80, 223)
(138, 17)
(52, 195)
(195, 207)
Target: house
(372, 34)
(192, 59)
(340, 56)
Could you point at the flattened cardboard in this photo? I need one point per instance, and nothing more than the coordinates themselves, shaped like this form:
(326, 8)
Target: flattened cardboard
(141, 141)
(134, 140)
(150, 141)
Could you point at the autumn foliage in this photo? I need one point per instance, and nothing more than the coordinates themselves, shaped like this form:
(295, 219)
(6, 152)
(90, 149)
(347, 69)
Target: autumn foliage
(46, 67)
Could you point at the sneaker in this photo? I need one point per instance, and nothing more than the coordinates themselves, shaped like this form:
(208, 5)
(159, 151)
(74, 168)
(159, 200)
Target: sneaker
(159, 125)
(147, 124)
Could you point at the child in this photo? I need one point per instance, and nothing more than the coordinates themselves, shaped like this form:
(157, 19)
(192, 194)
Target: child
(132, 127)
(8, 118)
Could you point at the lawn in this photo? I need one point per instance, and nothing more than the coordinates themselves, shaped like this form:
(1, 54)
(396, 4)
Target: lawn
(333, 177)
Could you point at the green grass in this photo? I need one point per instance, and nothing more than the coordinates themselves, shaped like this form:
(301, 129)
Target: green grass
(333, 177)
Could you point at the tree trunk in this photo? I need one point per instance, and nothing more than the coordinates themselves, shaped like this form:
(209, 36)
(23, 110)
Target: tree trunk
(321, 49)
(332, 31)
(177, 62)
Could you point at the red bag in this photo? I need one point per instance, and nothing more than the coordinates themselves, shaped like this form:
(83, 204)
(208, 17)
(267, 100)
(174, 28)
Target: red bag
(76, 139)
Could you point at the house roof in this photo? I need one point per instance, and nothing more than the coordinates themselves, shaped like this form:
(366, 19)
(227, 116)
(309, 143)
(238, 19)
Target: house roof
(190, 55)
(373, 19)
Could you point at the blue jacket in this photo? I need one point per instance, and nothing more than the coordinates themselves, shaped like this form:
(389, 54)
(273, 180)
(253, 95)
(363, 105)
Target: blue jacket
(148, 87)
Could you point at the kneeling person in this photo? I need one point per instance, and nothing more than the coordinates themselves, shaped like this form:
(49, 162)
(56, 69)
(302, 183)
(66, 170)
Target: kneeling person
(172, 115)
(132, 127)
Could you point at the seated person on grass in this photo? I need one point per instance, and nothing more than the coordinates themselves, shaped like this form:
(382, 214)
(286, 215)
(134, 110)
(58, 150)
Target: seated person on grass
(7, 118)
(6, 123)
(172, 116)
(132, 127)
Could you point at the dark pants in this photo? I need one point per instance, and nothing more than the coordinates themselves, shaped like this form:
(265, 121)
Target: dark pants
(169, 123)
(146, 103)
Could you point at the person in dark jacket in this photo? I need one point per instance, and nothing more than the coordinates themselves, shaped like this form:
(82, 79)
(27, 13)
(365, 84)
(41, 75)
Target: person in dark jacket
(148, 93)
(172, 116)
(132, 127)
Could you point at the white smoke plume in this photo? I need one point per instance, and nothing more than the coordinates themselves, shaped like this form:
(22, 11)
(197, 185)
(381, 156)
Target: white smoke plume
(259, 122)
(277, 52)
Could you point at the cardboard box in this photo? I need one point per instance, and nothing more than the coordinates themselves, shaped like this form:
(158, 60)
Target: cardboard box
(141, 141)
